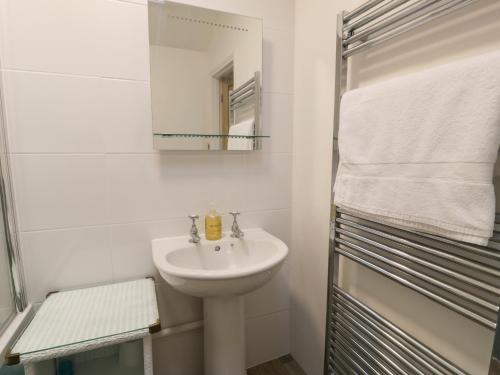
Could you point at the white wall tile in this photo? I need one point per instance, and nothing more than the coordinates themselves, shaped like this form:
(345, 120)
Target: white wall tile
(278, 61)
(59, 191)
(177, 308)
(142, 2)
(277, 14)
(131, 252)
(50, 35)
(126, 115)
(124, 40)
(65, 259)
(277, 122)
(266, 183)
(131, 246)
(179, 354)
(93, 37)
(160, 186)
(53, 113)
(271, 297)
(276, 222)
(152, 187)
(267, 337)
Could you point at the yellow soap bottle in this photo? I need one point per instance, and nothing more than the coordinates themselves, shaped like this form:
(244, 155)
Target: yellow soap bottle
(213, 224)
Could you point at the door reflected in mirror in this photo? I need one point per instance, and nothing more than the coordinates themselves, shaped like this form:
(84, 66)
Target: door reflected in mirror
(206, 78)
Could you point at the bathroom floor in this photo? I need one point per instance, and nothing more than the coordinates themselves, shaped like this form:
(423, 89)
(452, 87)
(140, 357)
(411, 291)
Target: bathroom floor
(282, 366)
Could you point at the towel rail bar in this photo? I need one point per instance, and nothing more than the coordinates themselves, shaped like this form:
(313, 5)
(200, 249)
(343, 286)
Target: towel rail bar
(361, 9)
(362, 356)
(403, 347)
(250, 82)
(353, 331)
(341, 369)
(475, 266)
(371, 352)
(240, 95)
(342, 366)
(419, 275)
(236, 106)
(420, 20)
(489, 251)
(345, 320)
(381, 24)
(243, 98)
(356, 24)
(348, 361)
(367, 314)
(422, 262)
(431, 295)
(249, 92)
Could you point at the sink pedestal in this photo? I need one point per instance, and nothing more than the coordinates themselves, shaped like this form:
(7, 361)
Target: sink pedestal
(225, 352)
(221, 272)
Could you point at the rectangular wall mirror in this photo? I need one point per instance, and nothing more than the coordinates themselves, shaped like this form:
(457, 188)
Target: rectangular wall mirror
(206, 78)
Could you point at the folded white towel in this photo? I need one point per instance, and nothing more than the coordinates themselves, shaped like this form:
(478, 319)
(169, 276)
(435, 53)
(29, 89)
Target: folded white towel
(244, 128)
(418, 151)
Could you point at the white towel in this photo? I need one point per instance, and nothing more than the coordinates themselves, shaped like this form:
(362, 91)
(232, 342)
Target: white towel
(418, 152)
(244, 128)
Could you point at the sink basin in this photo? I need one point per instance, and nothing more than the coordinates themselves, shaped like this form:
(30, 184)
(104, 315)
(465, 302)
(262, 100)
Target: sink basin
(219, 268)
(221, 272)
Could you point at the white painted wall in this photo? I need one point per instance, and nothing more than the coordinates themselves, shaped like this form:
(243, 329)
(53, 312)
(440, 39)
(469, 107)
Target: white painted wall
(181, 86)
(473, 30)
(243, 47)
(315, 25)
(91, 192)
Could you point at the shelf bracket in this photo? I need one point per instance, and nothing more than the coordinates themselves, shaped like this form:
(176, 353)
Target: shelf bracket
(155, 328)
(12, 359)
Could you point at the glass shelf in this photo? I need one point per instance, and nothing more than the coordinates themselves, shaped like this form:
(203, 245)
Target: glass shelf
(186, 135)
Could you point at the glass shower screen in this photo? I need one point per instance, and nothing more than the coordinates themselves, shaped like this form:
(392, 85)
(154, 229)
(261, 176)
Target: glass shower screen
(7, 307)
(12, 297)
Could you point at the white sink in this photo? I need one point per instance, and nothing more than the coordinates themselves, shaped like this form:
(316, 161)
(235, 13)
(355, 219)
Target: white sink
(221, 272)
(227, 267)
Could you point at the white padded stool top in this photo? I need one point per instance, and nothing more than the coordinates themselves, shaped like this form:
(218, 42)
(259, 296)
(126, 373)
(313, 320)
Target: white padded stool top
(85, 319)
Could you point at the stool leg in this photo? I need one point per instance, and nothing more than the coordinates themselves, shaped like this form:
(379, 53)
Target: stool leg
(148, 355)
(29, 369)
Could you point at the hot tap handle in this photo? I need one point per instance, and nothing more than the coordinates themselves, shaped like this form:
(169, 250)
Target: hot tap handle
(235, 214)
(194, 218)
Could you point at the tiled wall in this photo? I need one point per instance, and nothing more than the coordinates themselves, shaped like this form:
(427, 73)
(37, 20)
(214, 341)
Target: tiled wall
(91, 192)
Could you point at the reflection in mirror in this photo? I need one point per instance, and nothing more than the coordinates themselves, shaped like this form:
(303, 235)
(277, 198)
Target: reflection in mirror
(205, 78)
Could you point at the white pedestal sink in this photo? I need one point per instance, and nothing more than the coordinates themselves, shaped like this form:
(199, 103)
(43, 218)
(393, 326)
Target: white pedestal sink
(221, 272)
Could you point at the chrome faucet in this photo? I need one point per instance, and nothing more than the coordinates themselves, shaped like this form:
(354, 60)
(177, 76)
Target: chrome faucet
(237, 232)
(195, 237)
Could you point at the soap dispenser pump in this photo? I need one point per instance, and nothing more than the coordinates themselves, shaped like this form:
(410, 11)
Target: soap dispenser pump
(213, 224)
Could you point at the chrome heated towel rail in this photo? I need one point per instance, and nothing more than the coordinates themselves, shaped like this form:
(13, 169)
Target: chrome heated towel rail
(461, 277)
(249, 92)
